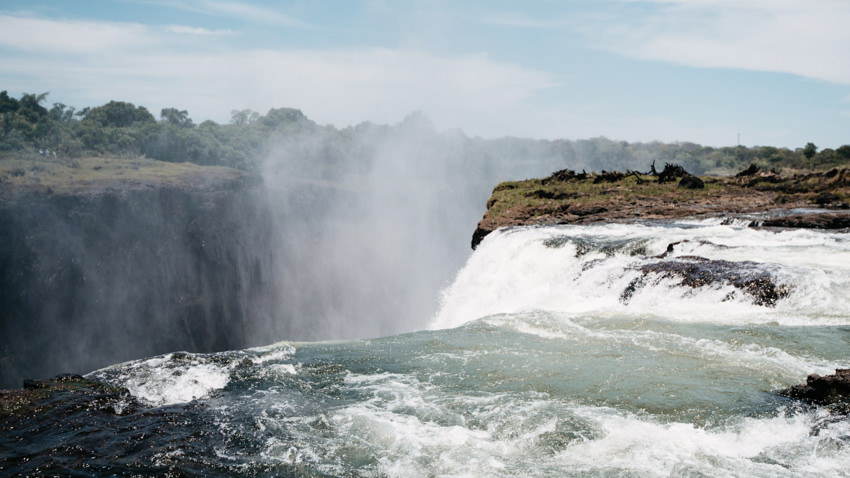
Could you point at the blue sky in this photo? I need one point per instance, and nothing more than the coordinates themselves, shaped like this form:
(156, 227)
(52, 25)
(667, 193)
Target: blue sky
(775, 72)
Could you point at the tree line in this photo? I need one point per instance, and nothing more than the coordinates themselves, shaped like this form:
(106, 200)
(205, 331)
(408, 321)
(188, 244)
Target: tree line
(124, 129)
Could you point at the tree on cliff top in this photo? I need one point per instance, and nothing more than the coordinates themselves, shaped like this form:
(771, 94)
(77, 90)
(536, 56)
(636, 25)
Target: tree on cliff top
(179, 118)
(810, 150)
(119, 114)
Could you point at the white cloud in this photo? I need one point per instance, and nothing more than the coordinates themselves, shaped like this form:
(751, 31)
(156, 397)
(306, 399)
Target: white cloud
(88, 38)
(809, 38)
(251, 13)
(517, 20)
(70, 37)
(185, 30)
(232, 9)
(164, 66)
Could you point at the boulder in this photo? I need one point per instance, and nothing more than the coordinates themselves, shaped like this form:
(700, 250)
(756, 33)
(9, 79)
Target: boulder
(823, 390)
(690, 181)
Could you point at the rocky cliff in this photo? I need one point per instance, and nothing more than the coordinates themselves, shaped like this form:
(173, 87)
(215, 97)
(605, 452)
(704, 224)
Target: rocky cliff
(122, 270)
(768, 198)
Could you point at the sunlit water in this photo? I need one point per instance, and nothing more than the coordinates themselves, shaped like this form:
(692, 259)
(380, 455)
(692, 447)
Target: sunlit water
(537, 366)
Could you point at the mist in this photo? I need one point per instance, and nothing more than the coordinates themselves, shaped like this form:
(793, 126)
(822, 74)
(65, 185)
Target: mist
(336, 234)
(92, 279)
(374, 221)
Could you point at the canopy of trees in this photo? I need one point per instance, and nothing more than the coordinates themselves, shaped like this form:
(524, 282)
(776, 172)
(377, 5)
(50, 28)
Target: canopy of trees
(123, 129)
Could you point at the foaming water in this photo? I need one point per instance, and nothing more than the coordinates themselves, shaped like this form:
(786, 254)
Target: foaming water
(557, 351)
(587, 269)
(534, 393)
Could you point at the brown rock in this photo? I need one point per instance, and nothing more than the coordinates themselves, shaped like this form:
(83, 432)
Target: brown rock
(824, 390)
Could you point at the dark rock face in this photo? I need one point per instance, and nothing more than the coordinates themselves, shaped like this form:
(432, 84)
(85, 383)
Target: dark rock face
(478, 236)
(695, 272)
(824, 390)
(88, 280)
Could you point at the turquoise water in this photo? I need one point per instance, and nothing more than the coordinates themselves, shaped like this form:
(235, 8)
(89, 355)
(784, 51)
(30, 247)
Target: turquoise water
(536, 366)
(530, 394)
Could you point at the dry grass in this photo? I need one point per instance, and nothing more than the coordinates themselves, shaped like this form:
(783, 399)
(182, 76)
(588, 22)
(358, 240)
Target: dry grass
(544, 195)
(60, 176)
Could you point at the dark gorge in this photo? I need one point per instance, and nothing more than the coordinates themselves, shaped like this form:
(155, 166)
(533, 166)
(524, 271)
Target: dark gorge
(91, 279)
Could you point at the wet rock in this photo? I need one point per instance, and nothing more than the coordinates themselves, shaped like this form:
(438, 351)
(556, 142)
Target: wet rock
(479, 235)
(810, 221)
(671, 247)
(74, 426)
(691, 271)
(751, 170)
(60, 396)
(691, 182)
(608, 248)
(824, 390)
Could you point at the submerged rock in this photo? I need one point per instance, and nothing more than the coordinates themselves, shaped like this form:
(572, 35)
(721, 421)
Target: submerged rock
(61, 396)
(691, 271)
(822, 220)
(75, 426)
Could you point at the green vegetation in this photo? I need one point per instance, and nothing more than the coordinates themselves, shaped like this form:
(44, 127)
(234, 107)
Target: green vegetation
(121, 129)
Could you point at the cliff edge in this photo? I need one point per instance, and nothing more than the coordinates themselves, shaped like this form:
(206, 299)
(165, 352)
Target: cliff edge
(104, 260)
(815, 199)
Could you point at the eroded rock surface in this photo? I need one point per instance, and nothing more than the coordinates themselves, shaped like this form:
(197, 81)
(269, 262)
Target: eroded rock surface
(749, 278)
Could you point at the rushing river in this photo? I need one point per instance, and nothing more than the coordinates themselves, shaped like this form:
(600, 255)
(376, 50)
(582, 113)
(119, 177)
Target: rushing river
(557, 351)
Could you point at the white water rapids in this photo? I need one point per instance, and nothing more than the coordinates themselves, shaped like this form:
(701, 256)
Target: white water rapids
(557, 351)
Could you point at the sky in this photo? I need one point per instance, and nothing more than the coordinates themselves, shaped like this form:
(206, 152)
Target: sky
(713, 72)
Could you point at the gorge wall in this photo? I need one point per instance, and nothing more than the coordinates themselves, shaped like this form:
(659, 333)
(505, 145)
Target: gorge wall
(94, 278)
